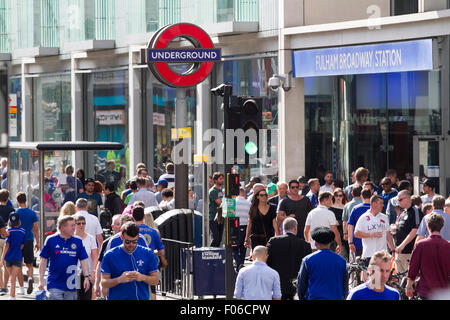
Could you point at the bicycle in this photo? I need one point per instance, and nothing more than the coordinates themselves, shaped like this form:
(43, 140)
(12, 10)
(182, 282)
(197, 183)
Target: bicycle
(355, 270)
(398, 281)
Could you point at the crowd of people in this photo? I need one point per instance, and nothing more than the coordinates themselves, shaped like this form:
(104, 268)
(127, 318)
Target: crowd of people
(308, 230)
(76, 262)
(302, 234)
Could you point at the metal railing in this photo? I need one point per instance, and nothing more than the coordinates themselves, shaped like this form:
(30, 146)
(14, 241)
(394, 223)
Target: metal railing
(172, 279)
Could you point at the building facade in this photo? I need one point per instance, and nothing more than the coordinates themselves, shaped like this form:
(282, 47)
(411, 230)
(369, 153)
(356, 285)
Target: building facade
(76, 75)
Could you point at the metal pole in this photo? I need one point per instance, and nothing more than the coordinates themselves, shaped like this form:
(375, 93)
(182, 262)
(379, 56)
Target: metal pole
(41, 201)
(181, 165)
(205, 238)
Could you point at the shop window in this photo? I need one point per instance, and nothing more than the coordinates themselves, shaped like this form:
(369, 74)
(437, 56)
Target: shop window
(399, 7)
(52, 108)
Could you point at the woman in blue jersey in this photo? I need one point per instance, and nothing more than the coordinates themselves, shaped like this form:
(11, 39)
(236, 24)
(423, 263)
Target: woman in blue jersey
(12, 254)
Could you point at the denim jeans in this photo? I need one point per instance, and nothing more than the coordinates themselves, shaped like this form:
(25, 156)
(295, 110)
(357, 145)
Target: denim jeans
(56, 294)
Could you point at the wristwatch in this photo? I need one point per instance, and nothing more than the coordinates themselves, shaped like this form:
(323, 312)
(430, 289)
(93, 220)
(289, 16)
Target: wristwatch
(350, 243)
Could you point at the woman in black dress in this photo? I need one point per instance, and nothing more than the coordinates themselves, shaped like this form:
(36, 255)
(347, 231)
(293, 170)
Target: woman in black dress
(339, 201)
(262, 222)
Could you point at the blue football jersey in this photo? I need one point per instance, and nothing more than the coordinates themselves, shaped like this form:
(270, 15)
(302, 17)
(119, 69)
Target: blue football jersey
(15, 239)
(117, 261)
(63, 256)
(152, 237)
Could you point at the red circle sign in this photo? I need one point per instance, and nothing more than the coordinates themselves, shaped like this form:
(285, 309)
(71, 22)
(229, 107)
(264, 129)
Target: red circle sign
(198, 37)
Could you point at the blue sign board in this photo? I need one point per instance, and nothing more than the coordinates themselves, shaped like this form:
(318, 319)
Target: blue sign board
(376, 58)
(183, 55)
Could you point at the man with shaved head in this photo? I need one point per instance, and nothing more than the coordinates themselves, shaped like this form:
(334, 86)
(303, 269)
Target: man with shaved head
(258, 281)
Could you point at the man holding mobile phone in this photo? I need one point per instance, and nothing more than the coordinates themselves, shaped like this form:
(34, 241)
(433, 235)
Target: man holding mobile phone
(129, 269)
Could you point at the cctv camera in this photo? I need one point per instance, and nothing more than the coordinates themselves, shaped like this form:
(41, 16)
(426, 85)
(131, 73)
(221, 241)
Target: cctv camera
(280, 80)
(274, 83)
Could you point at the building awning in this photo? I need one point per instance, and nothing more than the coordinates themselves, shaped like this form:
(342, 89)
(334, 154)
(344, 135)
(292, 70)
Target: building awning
(65, 145)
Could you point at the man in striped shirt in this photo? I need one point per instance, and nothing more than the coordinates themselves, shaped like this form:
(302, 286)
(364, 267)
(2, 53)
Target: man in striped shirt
(242, 209)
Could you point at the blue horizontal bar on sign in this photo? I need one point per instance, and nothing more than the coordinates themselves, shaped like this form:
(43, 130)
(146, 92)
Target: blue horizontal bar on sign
(110, 101)
(403, 56)
(183, 55)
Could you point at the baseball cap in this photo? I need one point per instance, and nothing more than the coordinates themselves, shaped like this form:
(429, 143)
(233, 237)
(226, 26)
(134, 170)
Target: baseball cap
(14, 219)
(162, 182)
(322, 235)
(271, 188)
(89, 180)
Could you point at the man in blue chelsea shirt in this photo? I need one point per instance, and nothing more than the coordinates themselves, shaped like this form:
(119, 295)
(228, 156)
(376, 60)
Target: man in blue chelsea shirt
(62, 251)
(129, 269)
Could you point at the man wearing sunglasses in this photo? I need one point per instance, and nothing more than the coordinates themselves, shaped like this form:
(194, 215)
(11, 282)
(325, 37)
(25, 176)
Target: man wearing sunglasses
(128, 270)
(295, 206)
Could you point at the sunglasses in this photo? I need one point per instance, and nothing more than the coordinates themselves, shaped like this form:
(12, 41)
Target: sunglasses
(263, 195)
(130, 241)
(81, 223)
(294, 187)
(339, 196)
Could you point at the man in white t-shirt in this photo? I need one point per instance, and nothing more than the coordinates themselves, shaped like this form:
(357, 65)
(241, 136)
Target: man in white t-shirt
(428, 189)
(93, 226)
(373, 228)
(328, 186)
(322, 217)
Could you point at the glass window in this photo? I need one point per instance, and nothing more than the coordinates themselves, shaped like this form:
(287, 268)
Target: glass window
(369, 120)
(52, 108)
(399, 7)
(15, 109)
(164, 101)
(108, 119)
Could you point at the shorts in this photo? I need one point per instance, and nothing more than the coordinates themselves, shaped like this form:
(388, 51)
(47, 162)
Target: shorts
(28, 252)
(10, 264)
(2, 246)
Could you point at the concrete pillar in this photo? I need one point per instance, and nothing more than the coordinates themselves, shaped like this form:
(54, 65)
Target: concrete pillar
(134, 111)
(27, 106)
(77, 116)
(291, 104)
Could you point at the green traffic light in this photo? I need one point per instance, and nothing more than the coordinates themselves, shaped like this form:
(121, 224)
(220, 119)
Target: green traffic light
(251, 148)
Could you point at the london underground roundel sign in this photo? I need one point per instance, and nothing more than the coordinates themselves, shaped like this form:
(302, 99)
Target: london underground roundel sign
(201, 57)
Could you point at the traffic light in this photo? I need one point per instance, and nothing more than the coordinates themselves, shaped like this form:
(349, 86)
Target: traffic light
(244, 112)
(232, 184)
(232, 231)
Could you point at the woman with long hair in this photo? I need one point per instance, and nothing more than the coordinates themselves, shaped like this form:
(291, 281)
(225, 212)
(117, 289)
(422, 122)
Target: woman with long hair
(339, 201)
(262, 221)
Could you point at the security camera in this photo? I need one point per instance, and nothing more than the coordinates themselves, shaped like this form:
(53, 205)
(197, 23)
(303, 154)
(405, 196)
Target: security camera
(280, 80)
(274, 83)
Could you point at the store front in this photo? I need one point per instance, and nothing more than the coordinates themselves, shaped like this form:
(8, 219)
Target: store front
(380, 120)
